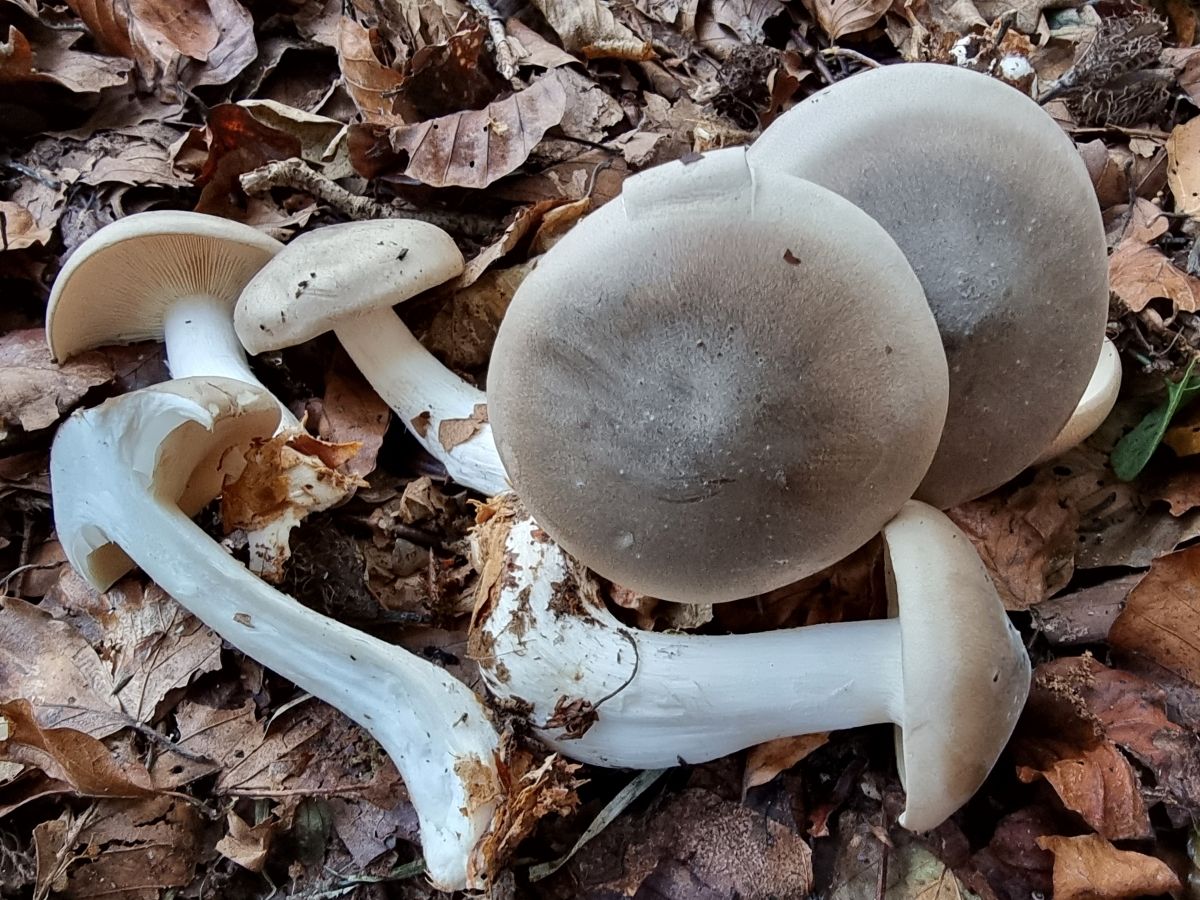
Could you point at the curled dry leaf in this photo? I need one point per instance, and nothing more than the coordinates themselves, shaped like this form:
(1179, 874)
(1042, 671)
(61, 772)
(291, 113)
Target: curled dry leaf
(245, 845)
(841, 17)
(1138, 273)
(20, 228)
(1090, 868)
(1183, 167)
(286, 479)
(69, 756)
(1162, 616)
(371, 84)
(765, 761)
(473, 148)
(1025, 537)
(589, 27)
(50, 59)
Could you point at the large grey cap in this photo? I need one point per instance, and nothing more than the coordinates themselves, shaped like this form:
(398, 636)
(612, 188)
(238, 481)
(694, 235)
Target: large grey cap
(992, 205)
(722, 381)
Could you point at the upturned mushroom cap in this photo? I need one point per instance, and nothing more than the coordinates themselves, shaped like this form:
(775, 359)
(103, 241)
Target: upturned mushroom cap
(722, 381)
(177, 435)
(339, 273)
(993, 206)
(966, 672)
(117, 285)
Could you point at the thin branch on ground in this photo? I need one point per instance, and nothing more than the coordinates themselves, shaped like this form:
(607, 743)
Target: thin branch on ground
(847, 53)
(502, 51)
(294, 173)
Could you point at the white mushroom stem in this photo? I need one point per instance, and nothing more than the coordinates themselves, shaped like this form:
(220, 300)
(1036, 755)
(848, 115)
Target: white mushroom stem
(667, 699)
(949, 670)
(116, 471)
(200, 341)
(425, 395)
(1097, 402)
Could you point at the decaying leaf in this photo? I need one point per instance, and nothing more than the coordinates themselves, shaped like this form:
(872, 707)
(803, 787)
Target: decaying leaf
(452, 432)
(842, 17)
(246, 845)
(1162, 615)
(473, 148)
(285, 479)
(352, 414)
(1183, 167)
(69, 756)
(34, 391)
(51, 59)
(372, 84)
(589, 27)
(1026, 538)
(1090, 868)
(1138, 273)
(765, 761)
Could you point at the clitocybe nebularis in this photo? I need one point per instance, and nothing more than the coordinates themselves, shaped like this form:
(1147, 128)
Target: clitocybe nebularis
(175, 276)
(124, 472)
(346, 279)
(668, 388)
(993, 206)
(949, 669)
(1093, 408)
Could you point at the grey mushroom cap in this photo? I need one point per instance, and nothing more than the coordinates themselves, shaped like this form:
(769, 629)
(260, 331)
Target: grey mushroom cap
(993, 207)
(701, 410)
(118, 284)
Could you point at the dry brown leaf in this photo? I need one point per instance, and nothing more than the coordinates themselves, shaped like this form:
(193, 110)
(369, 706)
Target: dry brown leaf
(122, 850)
(589, 27)
(1026, 538)
(1098, 783)
(50, 664)
(371, 84)
(247, 846)
(746, 18)
(1138, 273)
(1162, 615)
(765, 761)
(452, 432)
(1083, 616)
(353, 414)
(1184, 434)
(69, 756)
(1090, 868)
(1183, 167)
(840, 17)
(1145, 222)
(369, 831)
(1181, 490)
(142, 162)
(35, 392)
(473, 148)
(153, 645)
(531, 49)
(50, 59)
(19, 229)
(464, 329)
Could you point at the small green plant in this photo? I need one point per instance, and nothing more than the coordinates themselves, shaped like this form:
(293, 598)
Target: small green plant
(1134, 450)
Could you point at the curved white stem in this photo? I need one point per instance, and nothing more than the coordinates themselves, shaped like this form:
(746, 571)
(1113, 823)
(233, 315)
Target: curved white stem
(427, 396)
(200, 340)
(663, 699)
(1097, 402)
(112, 480)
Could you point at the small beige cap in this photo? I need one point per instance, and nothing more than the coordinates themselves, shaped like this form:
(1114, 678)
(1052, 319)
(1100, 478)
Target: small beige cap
(338, 273)
(118, 284)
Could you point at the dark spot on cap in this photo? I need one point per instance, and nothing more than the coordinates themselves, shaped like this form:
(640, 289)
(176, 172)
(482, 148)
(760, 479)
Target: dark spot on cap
(790, 258)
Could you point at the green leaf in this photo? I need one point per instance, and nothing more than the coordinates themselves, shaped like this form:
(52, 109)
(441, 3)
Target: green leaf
(1134, 450)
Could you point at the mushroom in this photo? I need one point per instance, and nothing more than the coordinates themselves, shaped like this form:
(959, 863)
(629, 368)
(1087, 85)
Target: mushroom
(346, 279)
(950, 670)
(163, 275)
(1094, 406)
(702, 412)
(993, 206)
(175, 276)
(127, 474)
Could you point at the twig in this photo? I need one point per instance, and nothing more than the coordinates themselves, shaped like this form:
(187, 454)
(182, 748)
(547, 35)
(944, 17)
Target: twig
(506, 60)
(847, 53)
(294, 173)
(809, 50)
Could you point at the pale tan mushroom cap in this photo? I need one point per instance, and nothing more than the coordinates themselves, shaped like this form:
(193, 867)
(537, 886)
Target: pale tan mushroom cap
(117, 285)
(966, 672)
(338, 273)
(993, 206)
(718, 383)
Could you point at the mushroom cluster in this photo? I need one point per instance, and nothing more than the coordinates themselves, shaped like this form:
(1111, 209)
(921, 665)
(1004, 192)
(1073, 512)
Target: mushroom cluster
(728, 378)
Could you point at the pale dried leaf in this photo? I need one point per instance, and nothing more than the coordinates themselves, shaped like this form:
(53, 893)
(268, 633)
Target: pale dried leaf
(52, 60)
(245, 845)
(589, 27)
(1183, 167)
(452, 432)
(475, 147)
(531, 49)
(765, 761)
(1090, 868)
(19, 229)
(1138, 273)
(841, 17)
